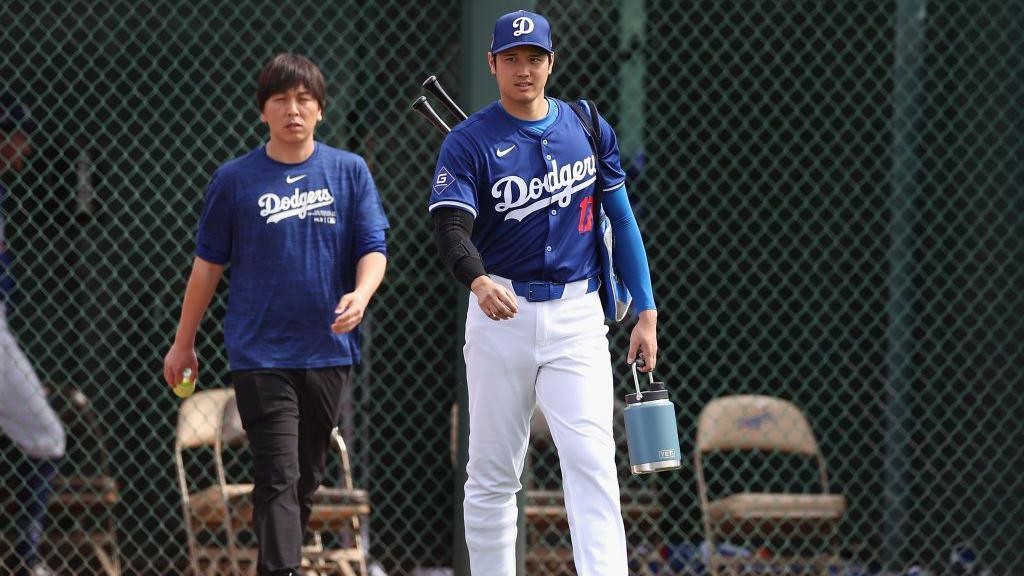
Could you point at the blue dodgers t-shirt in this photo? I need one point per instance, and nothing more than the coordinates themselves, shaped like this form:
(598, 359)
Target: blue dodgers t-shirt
(292, 234)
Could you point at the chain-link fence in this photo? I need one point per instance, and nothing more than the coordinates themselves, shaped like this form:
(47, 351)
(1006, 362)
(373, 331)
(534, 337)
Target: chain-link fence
(831, 195)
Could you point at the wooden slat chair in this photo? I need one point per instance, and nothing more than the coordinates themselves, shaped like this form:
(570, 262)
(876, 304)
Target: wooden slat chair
(85, 491)
(210, 419)
(752, 423)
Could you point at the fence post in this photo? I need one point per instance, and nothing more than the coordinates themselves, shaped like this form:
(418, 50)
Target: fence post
(906, 114)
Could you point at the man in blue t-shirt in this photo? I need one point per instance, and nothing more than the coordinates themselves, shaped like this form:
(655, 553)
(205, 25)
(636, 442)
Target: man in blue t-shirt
(302, 227)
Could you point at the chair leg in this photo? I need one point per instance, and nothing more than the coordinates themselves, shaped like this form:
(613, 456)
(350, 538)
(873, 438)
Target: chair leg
(115, 550)
(713, 557)
(363, 569)
(107, 561)
(236, 569)
(111, 561)
(193, 553)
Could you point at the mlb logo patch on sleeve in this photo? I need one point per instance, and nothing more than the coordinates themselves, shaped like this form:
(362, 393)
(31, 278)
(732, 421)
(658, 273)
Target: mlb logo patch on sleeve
(443, 179)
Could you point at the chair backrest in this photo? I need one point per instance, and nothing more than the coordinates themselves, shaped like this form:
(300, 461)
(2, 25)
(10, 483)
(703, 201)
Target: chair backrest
(204, 414)
(754, 422)
(87, 452)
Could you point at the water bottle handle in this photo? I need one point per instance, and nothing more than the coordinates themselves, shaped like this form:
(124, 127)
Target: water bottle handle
(636, 380)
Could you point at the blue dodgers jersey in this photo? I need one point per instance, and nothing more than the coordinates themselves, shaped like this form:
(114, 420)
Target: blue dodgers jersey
(288, 232)
(531, 194)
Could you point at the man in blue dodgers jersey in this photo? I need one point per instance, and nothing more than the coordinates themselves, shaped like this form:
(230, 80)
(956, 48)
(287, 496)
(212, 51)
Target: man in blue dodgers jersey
(302, 227)
(25, 416)
(512, 206)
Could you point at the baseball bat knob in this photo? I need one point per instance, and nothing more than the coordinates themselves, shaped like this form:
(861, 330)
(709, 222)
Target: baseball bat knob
(423, 107)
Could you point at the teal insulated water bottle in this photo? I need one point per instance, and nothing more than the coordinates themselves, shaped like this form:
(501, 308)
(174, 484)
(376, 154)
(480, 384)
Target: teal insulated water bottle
(652, 435)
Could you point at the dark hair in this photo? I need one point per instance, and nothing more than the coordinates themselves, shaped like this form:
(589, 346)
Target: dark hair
(493, 56)
(287, 71)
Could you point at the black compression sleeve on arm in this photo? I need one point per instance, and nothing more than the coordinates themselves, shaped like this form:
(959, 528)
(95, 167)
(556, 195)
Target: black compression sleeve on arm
(452, 228)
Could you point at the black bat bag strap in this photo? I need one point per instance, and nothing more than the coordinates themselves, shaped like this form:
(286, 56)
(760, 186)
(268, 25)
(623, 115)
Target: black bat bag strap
(591, 121)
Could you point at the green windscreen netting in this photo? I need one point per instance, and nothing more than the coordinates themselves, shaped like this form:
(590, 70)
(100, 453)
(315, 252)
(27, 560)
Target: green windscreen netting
(831, 196)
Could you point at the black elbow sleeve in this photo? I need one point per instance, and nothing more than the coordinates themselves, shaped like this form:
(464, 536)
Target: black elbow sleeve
(452, 230)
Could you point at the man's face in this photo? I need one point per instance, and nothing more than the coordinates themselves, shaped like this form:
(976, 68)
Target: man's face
(522, 72)
(292, 115)
(14, 150)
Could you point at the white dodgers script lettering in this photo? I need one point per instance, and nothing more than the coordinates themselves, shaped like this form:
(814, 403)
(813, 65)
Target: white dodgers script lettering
(520, 199)
(276, 208)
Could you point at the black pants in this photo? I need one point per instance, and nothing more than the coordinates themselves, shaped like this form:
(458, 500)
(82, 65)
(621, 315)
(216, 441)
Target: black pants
(288, 416)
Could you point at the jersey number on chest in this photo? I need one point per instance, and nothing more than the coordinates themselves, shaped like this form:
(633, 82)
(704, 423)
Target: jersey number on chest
(586, 215)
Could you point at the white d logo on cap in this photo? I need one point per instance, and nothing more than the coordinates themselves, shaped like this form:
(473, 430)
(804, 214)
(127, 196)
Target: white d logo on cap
(523, 25)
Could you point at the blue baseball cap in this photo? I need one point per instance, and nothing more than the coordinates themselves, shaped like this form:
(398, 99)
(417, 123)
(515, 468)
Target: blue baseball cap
(521, 28)
(14, 115)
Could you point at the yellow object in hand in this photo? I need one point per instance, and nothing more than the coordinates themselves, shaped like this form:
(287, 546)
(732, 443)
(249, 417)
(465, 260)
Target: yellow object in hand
(186, 387)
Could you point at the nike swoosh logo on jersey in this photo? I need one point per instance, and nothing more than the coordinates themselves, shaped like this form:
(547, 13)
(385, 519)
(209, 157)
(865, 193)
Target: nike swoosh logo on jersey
(502, 153)
(294, 179)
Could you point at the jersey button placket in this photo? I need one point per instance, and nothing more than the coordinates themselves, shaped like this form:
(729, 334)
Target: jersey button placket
(549, 251)
(549, 261)
(545, 147)
(549, 256)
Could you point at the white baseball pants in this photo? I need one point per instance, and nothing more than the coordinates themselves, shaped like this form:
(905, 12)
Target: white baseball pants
(553, 355)
(25, 415)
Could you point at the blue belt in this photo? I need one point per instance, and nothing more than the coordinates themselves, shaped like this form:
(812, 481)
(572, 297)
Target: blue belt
(542, 291)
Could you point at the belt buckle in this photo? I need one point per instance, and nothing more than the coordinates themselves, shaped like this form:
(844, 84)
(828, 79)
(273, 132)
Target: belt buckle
(538, 292)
